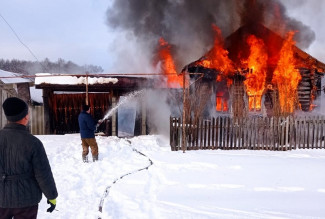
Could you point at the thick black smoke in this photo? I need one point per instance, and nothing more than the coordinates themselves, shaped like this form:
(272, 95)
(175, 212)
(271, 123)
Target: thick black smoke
(186, 24)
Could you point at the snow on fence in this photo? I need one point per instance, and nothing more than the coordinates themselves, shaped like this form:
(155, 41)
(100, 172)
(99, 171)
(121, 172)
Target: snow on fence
(255, 133)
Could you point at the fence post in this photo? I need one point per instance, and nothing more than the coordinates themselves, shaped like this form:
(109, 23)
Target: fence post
(209, 134)
(265, 134)
(308, 134)
(201, 134)
(254, 130)
(275, 133)
(322, 133)
(204, 133)
(319, 138)
(311, 129)
(301, 133)
(179, 131)
(213, 134)
(287, 133)
(259, 137)
(193, 125)
(317, 132)
(226, 146)
(218, 132)
(229, 133)
(236, 131)
(291, 133)
(171, 134)
(245, 143)
(197, 134)
(296, 132)
(248, 142)
(244, 133)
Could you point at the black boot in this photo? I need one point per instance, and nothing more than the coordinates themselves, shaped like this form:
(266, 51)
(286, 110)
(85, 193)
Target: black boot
(85, 159)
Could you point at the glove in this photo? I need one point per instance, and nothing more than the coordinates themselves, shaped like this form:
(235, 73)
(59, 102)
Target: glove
(52, 202)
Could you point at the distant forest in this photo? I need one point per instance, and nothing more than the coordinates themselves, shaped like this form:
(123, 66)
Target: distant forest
(46, 66)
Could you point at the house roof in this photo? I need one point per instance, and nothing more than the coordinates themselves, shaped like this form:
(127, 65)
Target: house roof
(237, 46)
(96, 83)
(64, 79)
(7, 77)
(238, 49)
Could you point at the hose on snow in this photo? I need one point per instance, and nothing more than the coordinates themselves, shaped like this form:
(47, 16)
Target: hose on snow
(100, 208)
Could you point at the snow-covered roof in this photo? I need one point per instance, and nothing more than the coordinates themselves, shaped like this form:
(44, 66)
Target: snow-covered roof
(48, 78)
(12, 78)
(36, 94)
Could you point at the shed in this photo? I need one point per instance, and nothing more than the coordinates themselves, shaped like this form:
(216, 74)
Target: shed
(13, 85)
(64, 95)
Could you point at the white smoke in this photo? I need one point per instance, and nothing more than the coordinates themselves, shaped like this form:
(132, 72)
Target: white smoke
(161, 105)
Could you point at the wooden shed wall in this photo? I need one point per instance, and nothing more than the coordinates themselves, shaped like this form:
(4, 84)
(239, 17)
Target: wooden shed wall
(65, 108)
(4, 94)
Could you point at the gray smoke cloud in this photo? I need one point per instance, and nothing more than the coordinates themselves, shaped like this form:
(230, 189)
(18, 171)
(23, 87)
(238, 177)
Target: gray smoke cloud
(277, 19)
(186, 24)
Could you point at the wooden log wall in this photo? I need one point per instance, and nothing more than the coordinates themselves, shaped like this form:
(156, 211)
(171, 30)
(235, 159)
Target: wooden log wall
(256, 133)
(305, 89)
(309, 87)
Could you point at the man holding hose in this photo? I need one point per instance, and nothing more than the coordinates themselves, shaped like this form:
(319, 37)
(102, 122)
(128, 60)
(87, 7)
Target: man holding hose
(88, 127)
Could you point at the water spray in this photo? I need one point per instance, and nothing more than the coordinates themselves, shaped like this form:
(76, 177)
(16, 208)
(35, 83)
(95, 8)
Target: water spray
(111, 111)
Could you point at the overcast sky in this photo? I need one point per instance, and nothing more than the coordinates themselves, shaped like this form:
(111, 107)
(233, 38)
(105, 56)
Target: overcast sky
(70, 29)
(76, 30)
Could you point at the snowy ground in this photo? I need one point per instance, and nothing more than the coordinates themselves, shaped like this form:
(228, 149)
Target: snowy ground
(195, 184)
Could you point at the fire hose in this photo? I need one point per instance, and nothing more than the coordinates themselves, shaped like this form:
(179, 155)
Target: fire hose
(100, 209)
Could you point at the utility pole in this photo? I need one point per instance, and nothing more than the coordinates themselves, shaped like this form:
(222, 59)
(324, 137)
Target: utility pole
(87, 88)
(183, 116)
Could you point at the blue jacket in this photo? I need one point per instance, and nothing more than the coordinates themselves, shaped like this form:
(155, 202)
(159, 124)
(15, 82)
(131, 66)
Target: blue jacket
(87, 125)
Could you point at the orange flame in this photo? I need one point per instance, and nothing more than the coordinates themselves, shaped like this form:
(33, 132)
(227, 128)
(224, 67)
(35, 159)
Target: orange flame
(255, 79)
(221, 103)
(217, 57)
(168, 65)
(286, 76)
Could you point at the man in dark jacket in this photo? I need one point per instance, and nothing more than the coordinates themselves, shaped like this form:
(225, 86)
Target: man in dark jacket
(24, 167)
(88, 127)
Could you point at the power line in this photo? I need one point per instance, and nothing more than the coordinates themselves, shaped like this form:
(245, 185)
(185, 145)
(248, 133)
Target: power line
(12, 29)
(96, 75)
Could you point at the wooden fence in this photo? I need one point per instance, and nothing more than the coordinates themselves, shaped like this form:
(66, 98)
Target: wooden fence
(36, 120)
(255, 133)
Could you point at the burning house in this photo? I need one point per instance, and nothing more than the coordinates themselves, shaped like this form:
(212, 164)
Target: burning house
(257, 68)
(254, 70)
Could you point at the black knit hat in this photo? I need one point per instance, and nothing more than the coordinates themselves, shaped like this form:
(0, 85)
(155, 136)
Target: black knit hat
(15, 109)
(85, 107)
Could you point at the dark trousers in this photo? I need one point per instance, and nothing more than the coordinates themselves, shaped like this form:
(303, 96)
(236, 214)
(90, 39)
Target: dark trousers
(19, 213)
